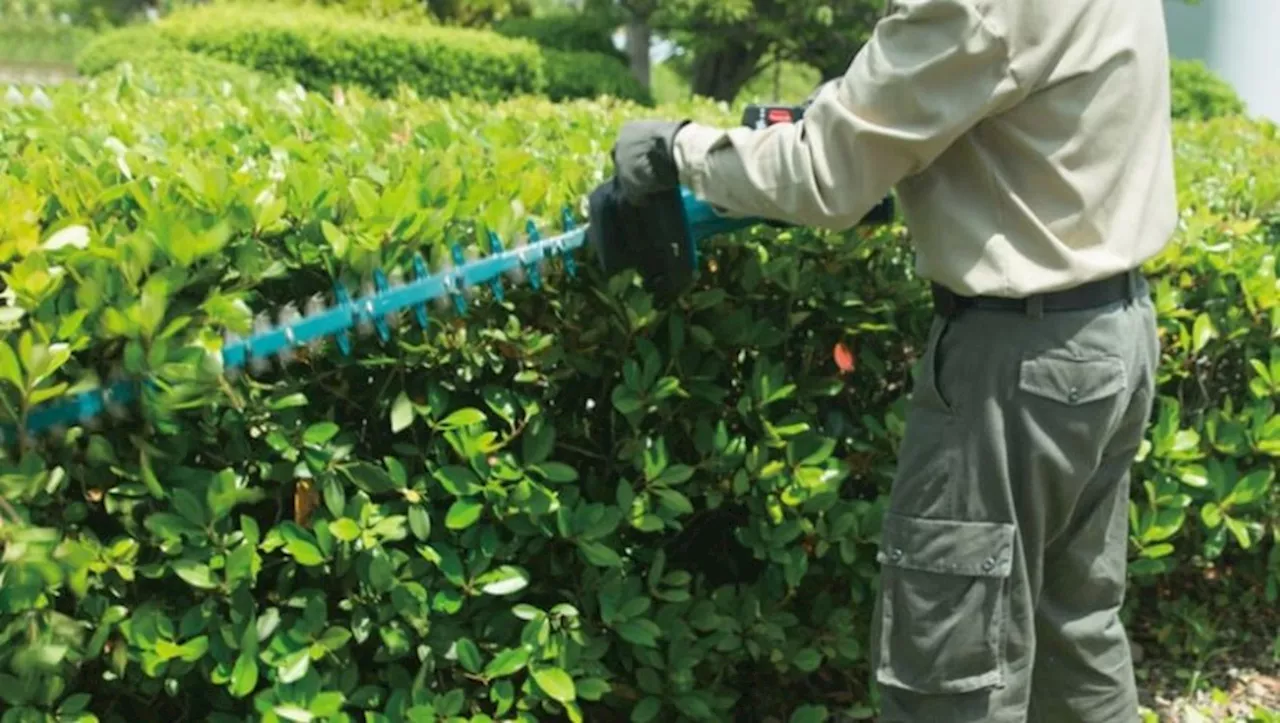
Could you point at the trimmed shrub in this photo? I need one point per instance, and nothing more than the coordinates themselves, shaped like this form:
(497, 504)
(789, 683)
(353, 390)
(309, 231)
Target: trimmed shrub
(39, 41)
(109, 49)
(568, 504)
(1199, 93)
(572, 32)
(590, 75)
(322, 48)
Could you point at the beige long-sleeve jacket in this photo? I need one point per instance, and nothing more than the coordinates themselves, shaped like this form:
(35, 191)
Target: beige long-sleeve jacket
(1028, 140)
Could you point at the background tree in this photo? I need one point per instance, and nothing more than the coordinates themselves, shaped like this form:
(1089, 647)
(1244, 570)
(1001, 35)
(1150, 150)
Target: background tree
(730, 42)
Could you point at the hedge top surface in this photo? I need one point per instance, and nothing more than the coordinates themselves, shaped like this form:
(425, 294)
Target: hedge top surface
(324, 47)
(329, 22)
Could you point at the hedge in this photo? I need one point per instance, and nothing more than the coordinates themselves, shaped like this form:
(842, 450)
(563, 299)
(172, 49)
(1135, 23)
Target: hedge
(325, 47)
(1200, 94)
(295, 44)
(26, 41)
(571, 32)
(580, 74)
(570, 504)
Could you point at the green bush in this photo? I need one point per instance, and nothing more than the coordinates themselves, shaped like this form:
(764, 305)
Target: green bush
(324, 47)
(572, 32)
(1199, 93)
(26, 41)
(570, 504)
(573, 75)
(109, 49)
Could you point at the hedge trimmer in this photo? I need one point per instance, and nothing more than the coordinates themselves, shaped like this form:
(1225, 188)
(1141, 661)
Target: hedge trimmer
(660, 240)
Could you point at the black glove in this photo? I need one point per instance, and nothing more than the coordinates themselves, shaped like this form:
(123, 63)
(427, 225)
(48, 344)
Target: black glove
(644, 156)
(648, 236)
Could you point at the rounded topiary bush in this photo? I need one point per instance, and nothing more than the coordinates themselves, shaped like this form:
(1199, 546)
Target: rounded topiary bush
(1200, 94)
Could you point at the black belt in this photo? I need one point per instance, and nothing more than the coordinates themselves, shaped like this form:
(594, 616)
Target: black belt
(1123, 287)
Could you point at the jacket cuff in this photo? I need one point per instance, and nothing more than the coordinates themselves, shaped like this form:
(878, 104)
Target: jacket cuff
(693, 146)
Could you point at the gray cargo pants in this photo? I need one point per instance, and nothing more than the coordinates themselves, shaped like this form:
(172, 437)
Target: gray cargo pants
(1003, 553)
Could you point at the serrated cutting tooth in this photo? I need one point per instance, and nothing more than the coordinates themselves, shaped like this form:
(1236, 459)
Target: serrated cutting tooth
(287, 318)
(261, 325)
(443, 302)
(517, 275)
(228, 339)
(315, 306)
(395, 280)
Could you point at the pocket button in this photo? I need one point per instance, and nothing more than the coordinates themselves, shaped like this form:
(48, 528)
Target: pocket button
(989, 564)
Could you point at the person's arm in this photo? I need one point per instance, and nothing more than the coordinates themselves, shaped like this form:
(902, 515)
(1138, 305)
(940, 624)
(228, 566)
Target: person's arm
(931, 70)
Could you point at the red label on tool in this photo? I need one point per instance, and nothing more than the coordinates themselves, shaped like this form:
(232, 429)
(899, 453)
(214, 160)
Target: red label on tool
(779, 115)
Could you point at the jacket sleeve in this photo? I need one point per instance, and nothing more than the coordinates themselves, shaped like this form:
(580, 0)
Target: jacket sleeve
(931, 70)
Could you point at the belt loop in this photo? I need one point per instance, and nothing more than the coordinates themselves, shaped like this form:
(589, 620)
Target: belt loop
(1132, 279)
(1035, 306)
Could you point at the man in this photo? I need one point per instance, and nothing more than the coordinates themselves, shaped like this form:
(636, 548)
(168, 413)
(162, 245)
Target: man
(1029, 143)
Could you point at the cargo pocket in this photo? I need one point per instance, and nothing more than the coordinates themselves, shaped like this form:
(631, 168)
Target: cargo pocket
(1071, 380)
(944, 605)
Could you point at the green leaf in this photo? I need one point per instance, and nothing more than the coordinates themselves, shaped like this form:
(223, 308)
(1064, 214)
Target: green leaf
(1251, 488)
(194, 574)
(555, 683)
(598, 554)
(306, 553)
(457, 480)
(1202, 333)
(319, 433)
(345, 529)
(365, 198)
(468, 655)
(463, 514)
(327, 704)
(593, 688)
(294, 713)
(1238, 530)
(557, 472)
(462, 418)
(640, 632)
(419, 522)
(244, 676)
(503, 580)
(401, 413)
(808, 660)
(10, 370)
(508, 662)
(646, 710)
(336, 238)
(369, 478)
(809, 714)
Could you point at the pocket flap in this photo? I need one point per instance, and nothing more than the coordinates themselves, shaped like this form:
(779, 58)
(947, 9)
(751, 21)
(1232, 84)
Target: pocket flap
(1072, 380)
(955, 547)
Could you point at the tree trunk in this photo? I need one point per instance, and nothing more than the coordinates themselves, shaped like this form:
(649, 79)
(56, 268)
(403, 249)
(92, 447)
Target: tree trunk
(639, 36)
(721, 73)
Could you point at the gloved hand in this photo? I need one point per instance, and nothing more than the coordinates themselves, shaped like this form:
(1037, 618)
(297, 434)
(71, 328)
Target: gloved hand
(644, 157)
